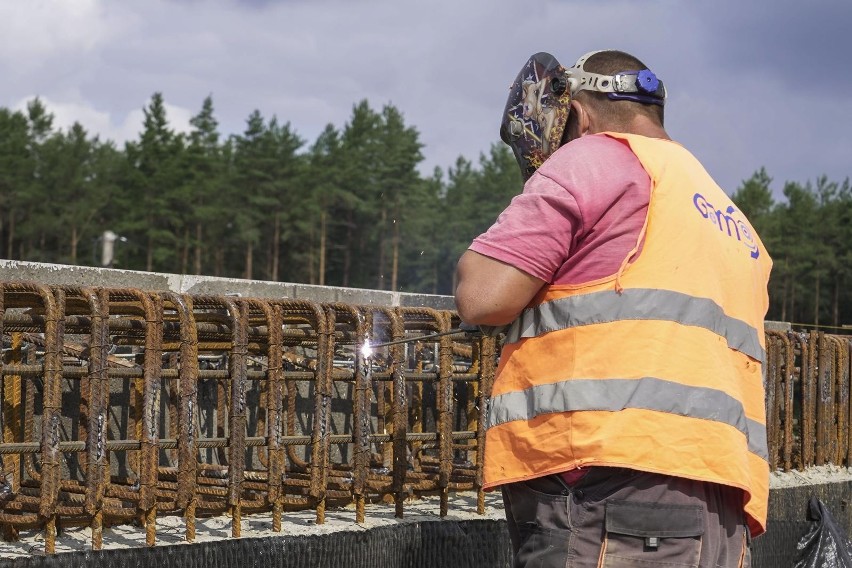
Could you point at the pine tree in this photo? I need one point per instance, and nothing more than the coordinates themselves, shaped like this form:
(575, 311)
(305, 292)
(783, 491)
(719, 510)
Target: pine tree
(324, 188)
(267, 173)
(206, 182)
(396, 183)
(37, 220)
(151, 216)
(842, 301)
(16, 173)
(77, 182)
(754, 197)
(356, 214)
(425, 235)
(462, 219)
(286, 193)
(828, 235)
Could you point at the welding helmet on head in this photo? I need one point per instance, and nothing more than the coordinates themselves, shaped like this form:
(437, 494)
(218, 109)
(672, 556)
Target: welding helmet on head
(539, 100)
(536, 112)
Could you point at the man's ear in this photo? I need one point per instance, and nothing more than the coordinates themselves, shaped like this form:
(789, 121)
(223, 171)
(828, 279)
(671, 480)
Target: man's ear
(582, 118)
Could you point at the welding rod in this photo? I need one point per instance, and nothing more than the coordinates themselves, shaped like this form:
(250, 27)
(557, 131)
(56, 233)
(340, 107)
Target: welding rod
(421, 337)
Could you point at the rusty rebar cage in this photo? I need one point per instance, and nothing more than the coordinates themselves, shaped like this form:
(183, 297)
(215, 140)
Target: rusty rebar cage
(119, 405)
(808, 407)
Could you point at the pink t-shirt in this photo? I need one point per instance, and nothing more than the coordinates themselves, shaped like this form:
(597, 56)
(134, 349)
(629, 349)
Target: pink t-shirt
(578, 217)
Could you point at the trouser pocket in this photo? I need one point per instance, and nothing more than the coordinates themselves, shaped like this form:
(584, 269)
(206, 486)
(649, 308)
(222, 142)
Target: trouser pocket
(540, 514)
(641, 535)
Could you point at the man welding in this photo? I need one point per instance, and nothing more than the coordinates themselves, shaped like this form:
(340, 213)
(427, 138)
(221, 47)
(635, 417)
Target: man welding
(627, 422)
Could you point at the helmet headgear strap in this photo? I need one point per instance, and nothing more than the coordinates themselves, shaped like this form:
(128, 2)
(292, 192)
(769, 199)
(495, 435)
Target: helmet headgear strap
(641, 86)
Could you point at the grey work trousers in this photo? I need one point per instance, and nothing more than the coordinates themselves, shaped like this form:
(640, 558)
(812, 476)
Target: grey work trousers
(622, 518)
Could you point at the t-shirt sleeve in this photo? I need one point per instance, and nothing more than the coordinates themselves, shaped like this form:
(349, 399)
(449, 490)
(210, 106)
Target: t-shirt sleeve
(581, 212)
(535, 232)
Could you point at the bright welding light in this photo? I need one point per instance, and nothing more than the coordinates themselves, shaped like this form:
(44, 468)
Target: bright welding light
(366, 349)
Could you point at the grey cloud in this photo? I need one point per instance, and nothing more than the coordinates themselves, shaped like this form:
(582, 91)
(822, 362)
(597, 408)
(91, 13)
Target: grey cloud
(802, 44)
(737, 71)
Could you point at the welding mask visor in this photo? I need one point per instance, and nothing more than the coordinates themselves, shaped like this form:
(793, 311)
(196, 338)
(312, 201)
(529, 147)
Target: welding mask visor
(536, 112)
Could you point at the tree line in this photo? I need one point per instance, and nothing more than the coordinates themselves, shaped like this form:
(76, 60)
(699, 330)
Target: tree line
(349, 209)
(809, 237)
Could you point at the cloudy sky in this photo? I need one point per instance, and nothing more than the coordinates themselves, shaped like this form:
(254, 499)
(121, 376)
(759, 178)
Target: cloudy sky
(751, 83)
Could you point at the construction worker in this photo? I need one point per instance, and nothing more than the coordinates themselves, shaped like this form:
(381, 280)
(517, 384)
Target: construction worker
(626, 426)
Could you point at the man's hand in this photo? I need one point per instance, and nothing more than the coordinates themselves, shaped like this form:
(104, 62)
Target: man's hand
(490, 292)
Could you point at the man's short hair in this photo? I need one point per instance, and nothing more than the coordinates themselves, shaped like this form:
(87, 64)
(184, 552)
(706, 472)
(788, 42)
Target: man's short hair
(617, 113)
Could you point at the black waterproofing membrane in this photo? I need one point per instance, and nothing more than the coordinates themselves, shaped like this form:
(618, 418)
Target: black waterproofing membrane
(430, 544)
(825, 545)
(790, 541)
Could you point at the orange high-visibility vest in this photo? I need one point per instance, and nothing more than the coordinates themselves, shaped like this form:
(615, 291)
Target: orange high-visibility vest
(657, 368)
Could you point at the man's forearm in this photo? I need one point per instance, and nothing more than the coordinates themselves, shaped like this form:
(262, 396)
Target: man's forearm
(491, 292)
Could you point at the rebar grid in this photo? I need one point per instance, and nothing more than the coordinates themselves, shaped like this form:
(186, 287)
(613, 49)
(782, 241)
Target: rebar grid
(119, 405)
(808, 403)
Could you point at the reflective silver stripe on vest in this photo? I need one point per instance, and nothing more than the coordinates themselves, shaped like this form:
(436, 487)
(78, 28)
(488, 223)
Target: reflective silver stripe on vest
(637, 304)
(647, 393)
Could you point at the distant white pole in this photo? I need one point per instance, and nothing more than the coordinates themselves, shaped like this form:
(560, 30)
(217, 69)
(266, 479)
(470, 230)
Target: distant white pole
(108, 248)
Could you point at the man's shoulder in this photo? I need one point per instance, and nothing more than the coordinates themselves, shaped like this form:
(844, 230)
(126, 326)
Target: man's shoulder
(592, 146)
(595, 160)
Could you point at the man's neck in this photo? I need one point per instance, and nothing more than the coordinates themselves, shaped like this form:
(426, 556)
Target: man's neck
(640, 125)
(644, 126)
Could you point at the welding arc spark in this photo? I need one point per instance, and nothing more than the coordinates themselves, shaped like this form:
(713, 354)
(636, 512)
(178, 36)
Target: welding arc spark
(367, 349)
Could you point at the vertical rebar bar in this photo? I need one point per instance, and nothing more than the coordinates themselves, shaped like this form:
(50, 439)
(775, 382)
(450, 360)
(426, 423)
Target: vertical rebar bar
(97, 474)
(773, 411)
(808, 366)
(237, 415)
(789, 397)
(361, 415)
(847, 379)
(841, 402)
(186, 497)
(322, 413)
(10, 415)
(400, 413)
(824, 402)
(12, 408)
(416, 410)
(445, 412)
(51, 409)
(487, 366)
(274, 409)
(29, 419)
(152, 306)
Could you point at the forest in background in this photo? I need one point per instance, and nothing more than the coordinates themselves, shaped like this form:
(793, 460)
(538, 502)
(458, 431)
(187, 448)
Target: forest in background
(348, 209)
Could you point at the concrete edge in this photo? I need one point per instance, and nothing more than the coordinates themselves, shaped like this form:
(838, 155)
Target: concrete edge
(68, 275)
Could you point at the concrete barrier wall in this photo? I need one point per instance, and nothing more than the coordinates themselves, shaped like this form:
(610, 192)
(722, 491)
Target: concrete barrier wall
(65, 275)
